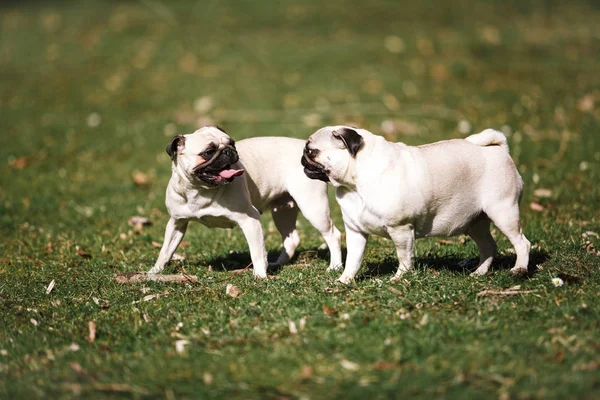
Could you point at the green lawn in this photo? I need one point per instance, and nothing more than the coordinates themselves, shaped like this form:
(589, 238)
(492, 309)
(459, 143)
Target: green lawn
(91, 93)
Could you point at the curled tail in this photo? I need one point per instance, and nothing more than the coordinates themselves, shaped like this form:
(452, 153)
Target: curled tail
(489, 137)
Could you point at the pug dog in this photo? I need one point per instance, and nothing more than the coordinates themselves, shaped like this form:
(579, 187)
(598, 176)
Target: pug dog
(221, 184)
(403, 192)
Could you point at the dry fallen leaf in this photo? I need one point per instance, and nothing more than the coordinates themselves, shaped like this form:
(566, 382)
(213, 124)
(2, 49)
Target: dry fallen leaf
(293, 329)
(588, 366)
(329, 311)
(541, 192)
(178, 257)
(156, 244)
(82, 253)
(103, 304)
(207, 378)
(586, 103)
(535, 206)
(384, 366)
(151, 296)
(180, 345)
(349, 365)
(92, 332)
(20, 163)
(75, 366)
(232, 290)
(138, 222)
(141, 179)
(307, 372)
(50, 287)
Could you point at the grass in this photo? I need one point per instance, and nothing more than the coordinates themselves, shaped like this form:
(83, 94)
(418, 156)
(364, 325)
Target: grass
(90, 94)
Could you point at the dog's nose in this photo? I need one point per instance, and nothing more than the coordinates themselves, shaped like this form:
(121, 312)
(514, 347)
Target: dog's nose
(228, 151)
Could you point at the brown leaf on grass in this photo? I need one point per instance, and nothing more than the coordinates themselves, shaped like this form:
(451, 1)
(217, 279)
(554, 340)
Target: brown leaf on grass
(558, 357)
(587, 366)
(395, 291)
(586, 103)
(82, 253)
(307, 372)
(541, 192)
(92, 332)
(535, 206)
(329, 311)
(135, 277)
(141, 179)
(156, 244)
(50, 247)
(384, 365)
(177, 257)
(75, 366)
(589, 247)
(138, 222)
(103, 304)
(20, 163)
(232, 290)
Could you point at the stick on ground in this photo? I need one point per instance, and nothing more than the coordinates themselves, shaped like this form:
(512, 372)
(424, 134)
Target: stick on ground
(135, 277)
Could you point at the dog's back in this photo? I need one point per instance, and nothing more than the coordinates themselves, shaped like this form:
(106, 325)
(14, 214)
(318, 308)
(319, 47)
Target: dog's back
(273, 168)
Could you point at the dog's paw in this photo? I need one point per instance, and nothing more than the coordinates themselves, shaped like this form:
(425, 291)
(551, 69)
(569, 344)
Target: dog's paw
(345, 280)
(334, 268)
(259, 275)
(479, 272)
(518, 271)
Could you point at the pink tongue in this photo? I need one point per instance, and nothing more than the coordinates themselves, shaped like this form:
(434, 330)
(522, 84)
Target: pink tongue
(230, 173)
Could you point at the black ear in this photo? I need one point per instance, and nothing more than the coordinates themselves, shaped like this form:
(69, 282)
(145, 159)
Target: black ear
(178, 141)
(352, 140)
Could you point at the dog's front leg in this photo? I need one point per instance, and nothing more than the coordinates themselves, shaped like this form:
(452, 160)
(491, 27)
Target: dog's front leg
(355, 243)
(174, 232)
(250, 225)
(404, 240)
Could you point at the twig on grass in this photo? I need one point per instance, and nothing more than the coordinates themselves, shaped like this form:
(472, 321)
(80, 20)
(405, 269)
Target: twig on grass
(136, 277)
(507, 292)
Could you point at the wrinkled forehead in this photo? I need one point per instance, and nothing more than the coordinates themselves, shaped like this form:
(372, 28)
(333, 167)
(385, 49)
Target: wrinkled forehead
(205, 136)
(325, 135)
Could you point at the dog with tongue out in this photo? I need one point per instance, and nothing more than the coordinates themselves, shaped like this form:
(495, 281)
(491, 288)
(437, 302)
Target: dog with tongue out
(221, 184)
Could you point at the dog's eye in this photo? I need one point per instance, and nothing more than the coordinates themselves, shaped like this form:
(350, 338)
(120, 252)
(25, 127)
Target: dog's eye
(206, 154)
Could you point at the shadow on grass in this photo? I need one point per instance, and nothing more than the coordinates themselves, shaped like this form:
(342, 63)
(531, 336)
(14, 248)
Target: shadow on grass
(238, 260)
(454, 264)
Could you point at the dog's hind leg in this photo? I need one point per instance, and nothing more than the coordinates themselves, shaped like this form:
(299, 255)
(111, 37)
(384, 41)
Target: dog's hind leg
(285, 217)
(480, 233)
(506, 218)
(404, 239)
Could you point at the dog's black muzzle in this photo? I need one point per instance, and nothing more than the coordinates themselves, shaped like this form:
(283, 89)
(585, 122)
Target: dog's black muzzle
(313, 169)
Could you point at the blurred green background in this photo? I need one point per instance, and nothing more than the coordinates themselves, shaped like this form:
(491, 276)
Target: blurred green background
(92, 91)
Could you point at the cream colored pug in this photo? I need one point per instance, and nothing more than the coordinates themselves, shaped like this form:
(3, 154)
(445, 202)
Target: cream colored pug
(403, 192)
(222, 184)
